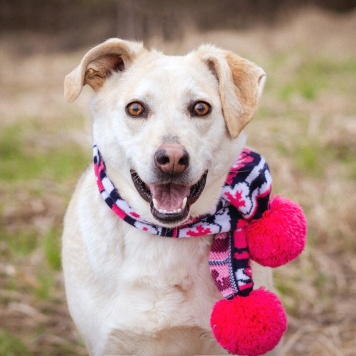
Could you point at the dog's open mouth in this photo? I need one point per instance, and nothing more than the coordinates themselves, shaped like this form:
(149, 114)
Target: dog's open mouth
(170, 203)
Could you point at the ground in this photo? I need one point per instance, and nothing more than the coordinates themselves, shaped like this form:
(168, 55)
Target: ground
(305, 128)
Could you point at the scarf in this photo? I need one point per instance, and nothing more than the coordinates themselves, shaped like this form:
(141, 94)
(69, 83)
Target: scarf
(244, 197)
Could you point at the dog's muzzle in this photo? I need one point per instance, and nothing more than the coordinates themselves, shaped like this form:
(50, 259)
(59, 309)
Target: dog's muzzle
(170, 202)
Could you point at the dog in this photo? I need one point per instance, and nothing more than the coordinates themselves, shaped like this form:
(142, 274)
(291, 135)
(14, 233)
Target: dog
(165, 126)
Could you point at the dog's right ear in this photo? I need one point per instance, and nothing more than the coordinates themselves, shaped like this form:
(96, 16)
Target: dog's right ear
(241, 84)
(112, 55)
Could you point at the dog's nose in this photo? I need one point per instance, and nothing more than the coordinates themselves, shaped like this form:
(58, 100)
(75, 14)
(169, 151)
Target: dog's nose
(172, 158)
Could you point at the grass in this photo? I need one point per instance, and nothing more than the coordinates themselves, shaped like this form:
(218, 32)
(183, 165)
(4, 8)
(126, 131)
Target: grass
(37, 176)
(11, 345)
(21, 161)
(21, 244)
(27, 171)
(313, 76)
(51, 248)
(306, 130)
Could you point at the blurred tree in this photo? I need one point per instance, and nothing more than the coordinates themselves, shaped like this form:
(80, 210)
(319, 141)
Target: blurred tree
(86, 21)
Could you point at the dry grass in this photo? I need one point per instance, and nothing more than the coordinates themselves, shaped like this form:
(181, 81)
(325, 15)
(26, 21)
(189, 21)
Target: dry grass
(306, 129)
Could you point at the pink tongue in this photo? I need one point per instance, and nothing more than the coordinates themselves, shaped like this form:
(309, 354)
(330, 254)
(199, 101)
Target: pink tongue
(169, 196)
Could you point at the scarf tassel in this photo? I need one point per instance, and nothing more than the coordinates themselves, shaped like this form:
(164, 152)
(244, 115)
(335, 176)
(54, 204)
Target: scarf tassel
(252, 322)
(251, 325)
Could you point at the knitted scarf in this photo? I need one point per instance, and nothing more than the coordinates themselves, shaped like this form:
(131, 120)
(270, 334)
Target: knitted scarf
(244, 197)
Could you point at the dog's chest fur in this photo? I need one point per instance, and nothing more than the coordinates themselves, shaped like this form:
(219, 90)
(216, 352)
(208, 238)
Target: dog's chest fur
(136, 282)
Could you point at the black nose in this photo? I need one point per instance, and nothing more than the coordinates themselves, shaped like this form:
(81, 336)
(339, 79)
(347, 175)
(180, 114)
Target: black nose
(172, 158)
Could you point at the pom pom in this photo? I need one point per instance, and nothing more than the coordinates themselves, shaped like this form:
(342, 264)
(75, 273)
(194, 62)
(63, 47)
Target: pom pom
(250, 325)
(279, 235)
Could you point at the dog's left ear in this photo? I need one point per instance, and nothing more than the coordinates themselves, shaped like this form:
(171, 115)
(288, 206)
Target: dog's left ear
(241, 84)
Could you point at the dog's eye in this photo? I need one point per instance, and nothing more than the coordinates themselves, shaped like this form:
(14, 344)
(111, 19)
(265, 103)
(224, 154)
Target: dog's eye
(201, 108)
(135, 109)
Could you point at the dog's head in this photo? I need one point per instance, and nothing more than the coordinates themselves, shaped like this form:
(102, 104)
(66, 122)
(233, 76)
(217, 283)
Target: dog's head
(168, 127)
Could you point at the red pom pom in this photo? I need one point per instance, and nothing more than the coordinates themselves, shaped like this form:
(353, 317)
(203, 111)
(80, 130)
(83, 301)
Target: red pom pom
(279, 235)
(250, 325)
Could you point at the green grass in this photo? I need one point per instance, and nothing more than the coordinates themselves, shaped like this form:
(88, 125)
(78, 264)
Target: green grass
(310, 78)
(36, 166)
(46, 279)
(309, 158)
(22, 242)
(313, 76)
(22, 161)
(52, 249)
(11, 345)
(27, 171)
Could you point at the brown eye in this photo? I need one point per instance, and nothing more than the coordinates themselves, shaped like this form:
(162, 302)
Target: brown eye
(201, 108)
(135, 109)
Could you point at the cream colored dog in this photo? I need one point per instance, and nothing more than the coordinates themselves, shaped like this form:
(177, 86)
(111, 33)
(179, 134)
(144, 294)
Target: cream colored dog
(157, 119)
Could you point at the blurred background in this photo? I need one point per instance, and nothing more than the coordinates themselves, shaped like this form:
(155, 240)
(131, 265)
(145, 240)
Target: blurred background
(305, 127)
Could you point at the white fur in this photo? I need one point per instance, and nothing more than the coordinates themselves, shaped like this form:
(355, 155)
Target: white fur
(129, 292)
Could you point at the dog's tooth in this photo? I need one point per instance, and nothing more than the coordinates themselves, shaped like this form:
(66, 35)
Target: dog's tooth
(170, 212)
(184, 203)
(155, 203)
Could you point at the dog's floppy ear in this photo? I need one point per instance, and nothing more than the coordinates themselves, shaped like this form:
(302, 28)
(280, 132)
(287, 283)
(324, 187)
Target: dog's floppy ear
(111, 55)
(241, 84)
